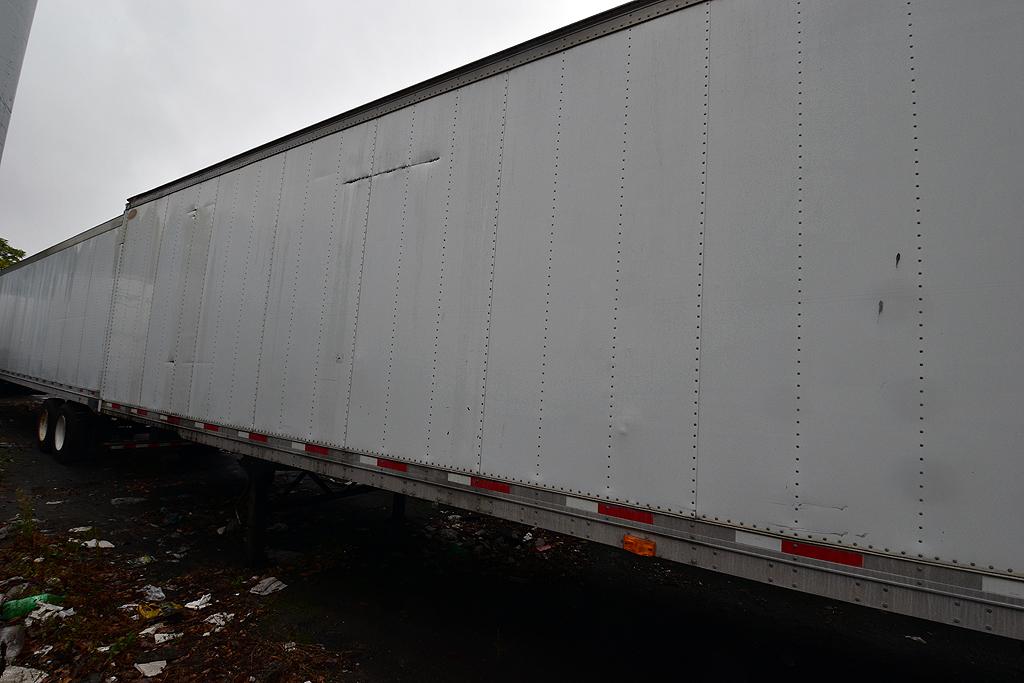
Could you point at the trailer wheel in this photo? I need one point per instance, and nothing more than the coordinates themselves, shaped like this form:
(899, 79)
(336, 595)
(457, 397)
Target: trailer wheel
(46, 418)
(72, 432)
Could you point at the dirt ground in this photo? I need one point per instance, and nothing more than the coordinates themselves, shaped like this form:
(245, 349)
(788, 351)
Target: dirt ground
(441, 595)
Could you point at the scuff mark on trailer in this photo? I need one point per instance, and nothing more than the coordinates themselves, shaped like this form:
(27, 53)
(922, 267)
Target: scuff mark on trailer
(392, 170)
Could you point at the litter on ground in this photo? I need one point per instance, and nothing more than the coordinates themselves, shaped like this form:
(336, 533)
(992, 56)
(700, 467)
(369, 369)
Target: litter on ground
(200, 603)
(269, 585)
(150, 669)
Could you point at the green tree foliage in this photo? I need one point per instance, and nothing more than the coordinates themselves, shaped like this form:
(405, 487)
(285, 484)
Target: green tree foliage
(8, 254)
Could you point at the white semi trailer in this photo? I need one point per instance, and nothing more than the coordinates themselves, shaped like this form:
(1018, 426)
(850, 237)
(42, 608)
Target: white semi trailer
(735, 283)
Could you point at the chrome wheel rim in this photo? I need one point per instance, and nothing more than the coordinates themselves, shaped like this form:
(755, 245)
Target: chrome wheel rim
(43, 425)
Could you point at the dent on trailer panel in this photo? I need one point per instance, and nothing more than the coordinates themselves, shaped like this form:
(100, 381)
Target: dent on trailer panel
(169, 281)
(328, 395)
(247, 337)
(463, 334)
(275, 363)
(97, 310)
(414, 293)
(78, 263)
(305, 237)
(381, 271)
(56, 280)
(132, 301)
(198, 229)
(748, 406)
(221, 303)
(654, 427)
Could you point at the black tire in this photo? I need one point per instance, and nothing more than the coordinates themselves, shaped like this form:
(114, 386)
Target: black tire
(72, 432)
(46, 418)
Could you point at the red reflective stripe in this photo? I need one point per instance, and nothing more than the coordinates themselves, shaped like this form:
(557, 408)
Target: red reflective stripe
(173, 420)
(210, 427)
(632, 514)
(818, 552)
(262, 438)
(142, 411)
(115, 406)
(392, 465)
(319, 450)
(479, 483)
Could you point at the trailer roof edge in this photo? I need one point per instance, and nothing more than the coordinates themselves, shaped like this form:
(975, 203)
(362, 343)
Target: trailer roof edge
(585, 30)
(106, 226)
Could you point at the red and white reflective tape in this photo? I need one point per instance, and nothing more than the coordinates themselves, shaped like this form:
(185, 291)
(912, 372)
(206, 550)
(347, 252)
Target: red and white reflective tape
(253, 436)
(479, 483)
(208, 427)
(383, 463)
(610, 510)
(801, 549)
(309, 448)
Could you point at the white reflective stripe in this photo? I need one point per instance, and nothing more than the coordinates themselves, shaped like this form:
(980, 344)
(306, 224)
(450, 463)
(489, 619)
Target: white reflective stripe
(366, 460)
(163, 418)
(200, 425)
(244, 435)
(993, 584)
(298, 446)
(759, 540)
(581, 504)
(459, 479)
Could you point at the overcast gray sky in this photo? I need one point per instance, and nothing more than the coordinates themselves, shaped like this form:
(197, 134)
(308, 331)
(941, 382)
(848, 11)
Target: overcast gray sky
(119, 96)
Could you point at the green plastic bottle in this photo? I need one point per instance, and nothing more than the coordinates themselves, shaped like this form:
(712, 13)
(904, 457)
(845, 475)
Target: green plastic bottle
(13, 609)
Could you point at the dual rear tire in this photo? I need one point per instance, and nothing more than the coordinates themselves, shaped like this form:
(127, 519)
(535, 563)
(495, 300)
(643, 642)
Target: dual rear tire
(64, 429)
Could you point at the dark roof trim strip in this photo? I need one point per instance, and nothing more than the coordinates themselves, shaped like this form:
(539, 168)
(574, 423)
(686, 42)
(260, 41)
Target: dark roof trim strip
(594, 27)
(112, 224)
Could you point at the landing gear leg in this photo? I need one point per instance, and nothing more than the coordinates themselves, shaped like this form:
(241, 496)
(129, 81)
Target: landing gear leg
(261, 477)
(398, 506)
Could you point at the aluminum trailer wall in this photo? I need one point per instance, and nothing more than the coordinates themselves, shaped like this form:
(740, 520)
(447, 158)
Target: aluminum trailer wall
(54, 309)
(741, 278)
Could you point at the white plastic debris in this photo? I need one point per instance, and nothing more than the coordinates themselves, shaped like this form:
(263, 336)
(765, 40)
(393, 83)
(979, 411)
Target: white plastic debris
(917, 639)
(200, 603)
(152, 593)
(219, 618)
(54, 502)
(151, 629)
(44, 650)
(45, 611)
(96, 543)
(22, 674)
(79, 529)
(527, 537)
(150, 669)
(103, 648)
(166, 637)
(126, 501)
(269, 585)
